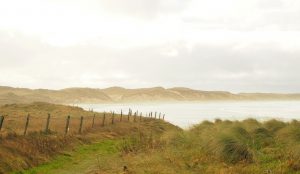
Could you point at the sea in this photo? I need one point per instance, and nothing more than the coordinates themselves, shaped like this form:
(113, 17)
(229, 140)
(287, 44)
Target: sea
(187, 114)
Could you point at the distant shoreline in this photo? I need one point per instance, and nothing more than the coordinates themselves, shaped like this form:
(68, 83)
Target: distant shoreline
(9, 95)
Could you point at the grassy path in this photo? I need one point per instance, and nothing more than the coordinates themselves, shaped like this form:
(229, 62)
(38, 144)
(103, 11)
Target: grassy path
(100, 157)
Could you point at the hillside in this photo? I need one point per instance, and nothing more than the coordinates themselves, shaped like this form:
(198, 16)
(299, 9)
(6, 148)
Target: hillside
(9, 95)
(223, 147)
(19, 151)
(154, 146)
(146, 146)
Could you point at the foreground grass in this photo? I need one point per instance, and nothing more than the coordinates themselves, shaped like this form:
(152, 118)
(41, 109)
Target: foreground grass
(87, 158)
(222, 147)
(153, 146)
(210, 147)
(74, 152)
(93, 152)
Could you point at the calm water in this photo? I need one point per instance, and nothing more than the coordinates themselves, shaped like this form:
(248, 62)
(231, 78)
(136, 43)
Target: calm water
(187, 114)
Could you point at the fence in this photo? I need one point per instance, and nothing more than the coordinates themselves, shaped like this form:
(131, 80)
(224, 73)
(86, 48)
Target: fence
(22, 125)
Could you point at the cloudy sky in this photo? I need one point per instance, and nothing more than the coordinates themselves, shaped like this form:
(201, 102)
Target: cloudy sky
(233, 45)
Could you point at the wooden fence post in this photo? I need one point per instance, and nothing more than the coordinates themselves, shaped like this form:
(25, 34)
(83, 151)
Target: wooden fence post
(113, 118)
(26, 124)
(67, 125)
(121, 116)
(155, 115)
(93, 123)
(129, 115)
(1, 122)
(159, 116)
(47, 124)
(103, 120)
(80, 126)
(134, 119)
(164, 117)
(141, 116)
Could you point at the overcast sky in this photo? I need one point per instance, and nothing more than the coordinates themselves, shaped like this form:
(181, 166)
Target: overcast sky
(233, 45)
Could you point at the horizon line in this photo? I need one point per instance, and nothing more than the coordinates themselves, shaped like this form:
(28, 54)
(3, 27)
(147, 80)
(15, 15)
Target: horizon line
(167, 88)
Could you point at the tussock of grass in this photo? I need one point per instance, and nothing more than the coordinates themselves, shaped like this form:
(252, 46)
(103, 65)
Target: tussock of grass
(274, 125)
(246, 146)
(233, 150)
(262, 138)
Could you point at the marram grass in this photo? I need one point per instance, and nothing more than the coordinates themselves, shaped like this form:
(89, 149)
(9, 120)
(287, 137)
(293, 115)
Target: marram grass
(225, 146)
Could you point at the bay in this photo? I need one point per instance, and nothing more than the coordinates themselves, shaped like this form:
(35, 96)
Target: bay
(188, 114)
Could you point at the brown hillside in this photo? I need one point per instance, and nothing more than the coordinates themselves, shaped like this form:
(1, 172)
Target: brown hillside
(10, 95)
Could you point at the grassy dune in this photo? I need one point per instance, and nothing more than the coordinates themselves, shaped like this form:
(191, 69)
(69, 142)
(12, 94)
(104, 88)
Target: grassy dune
(153, 146)
(18, 152)
(16, 114)
(222, 147)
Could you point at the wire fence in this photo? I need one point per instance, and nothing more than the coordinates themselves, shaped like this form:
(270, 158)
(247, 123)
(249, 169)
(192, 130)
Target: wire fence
(23, 125)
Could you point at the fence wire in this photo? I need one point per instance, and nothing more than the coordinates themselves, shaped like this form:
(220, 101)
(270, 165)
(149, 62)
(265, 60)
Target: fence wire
(17, 124)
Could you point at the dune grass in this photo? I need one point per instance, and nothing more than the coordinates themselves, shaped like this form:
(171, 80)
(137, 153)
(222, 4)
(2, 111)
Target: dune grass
(19, 152)
(89, 152)
(16, 115)
(154, 146)
(237, 147)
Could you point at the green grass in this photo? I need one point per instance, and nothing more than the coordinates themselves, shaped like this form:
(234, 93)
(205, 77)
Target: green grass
(71, 162)
(155, 146)
(223, 147)
(18, 152)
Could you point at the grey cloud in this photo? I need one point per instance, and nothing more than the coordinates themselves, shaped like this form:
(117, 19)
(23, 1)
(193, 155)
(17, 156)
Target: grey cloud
(27, 62)
(210, 67)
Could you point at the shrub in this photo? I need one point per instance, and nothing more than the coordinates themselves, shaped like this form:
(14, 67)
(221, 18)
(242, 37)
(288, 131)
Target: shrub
(233, 151)
(262, 138)
(241, 134)
(274, 125)
(289, 134)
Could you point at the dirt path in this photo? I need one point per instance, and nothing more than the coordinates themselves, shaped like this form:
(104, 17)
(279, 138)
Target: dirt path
(100, 157)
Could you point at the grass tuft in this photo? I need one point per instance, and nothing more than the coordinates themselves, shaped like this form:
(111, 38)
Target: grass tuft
(233, 150)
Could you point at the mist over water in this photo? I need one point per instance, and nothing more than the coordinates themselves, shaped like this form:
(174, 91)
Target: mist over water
(187, 114)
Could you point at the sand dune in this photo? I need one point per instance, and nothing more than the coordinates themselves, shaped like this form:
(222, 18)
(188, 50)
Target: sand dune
(118, 94)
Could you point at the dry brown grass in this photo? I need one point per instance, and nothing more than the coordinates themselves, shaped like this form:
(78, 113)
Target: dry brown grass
(16, 115)
(235, 147)
(19, 152)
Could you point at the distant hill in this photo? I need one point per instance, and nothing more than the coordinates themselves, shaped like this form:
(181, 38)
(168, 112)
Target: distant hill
(10, 95)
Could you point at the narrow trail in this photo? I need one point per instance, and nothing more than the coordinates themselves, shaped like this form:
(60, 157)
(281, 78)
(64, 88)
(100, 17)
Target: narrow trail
(106, 154)
(96, 158)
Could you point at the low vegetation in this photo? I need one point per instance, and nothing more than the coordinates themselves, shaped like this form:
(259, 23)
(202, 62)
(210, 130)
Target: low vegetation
(19, 152)
(16, 116)
(221, 147)
(155, 146)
